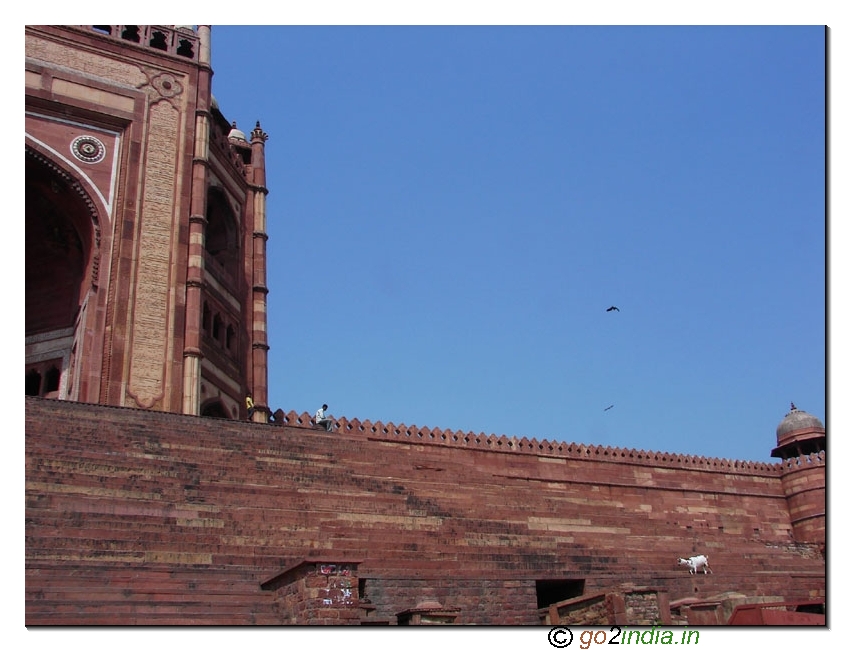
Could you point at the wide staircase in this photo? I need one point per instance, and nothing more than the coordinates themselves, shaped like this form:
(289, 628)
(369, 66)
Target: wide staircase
(160, 519)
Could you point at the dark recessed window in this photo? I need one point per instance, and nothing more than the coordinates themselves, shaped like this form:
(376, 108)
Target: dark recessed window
(158, 41)
(216, 328)
(33, 383)
(185, 49)
(51, 380)
(131, 33)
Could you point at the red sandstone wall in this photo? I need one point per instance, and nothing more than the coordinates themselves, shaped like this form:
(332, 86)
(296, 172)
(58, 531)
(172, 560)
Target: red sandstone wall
(144, 517)
(804, 481)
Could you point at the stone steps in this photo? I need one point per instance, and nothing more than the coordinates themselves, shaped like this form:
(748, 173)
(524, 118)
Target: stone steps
(124, 489)
(144, 595)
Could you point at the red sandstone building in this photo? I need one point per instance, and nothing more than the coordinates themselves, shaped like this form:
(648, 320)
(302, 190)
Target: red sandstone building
(146, 308)
(145, 225)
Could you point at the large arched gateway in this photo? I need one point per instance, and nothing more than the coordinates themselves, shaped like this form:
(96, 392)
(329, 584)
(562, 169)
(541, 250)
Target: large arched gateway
(61, 251)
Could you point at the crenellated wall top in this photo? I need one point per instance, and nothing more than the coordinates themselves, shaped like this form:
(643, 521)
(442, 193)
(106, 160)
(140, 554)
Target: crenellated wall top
(513, 445)
(804, 462)
(524, 445)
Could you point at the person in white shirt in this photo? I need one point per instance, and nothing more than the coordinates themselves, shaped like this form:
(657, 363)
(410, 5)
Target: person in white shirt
(323, 420)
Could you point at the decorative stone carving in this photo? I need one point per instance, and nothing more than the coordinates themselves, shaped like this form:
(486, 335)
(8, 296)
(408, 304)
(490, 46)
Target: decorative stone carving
(167, 85)
(88, 149)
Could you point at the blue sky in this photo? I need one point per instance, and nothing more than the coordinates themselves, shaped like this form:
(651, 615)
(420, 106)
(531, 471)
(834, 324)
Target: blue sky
(453, 209)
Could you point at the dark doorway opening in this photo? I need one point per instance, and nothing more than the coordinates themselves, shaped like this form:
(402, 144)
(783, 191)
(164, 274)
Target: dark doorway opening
(554, 591)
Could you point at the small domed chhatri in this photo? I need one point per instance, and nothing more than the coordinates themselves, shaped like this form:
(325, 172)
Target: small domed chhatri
(236, 134)
(799, 434)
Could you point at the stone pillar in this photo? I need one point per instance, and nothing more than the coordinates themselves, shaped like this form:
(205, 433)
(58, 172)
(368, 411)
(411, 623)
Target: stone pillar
(317, 592)
(197, 227)
(259, 321)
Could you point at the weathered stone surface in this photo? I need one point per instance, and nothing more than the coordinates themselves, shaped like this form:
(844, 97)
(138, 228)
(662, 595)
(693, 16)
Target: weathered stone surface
(135, 516)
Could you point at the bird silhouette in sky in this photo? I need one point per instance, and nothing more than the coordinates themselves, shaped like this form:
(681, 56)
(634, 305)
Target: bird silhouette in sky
(609, 408)
(613, 308)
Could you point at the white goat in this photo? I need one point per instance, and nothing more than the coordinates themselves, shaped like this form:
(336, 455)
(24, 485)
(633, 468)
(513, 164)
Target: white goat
(695, 563)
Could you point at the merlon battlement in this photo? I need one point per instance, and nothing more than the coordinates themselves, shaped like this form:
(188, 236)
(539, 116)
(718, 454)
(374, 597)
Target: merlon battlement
(523, 445)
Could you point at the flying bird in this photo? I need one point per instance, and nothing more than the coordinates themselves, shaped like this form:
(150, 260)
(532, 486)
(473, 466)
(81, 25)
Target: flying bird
(609, 408)
(613, 308)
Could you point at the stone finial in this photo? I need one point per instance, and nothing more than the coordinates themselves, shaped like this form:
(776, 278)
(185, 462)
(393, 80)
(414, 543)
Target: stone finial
(258, 133)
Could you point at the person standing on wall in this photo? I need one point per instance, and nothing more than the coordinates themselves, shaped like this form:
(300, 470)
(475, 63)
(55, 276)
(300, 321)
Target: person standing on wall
(249, 404)
(323, 420)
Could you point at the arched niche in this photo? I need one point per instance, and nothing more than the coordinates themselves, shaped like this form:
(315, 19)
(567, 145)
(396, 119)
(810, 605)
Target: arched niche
(214, 408)
(222, 235)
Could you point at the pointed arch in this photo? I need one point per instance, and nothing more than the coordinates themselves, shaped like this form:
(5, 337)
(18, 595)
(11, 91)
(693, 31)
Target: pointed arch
(62, 243)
